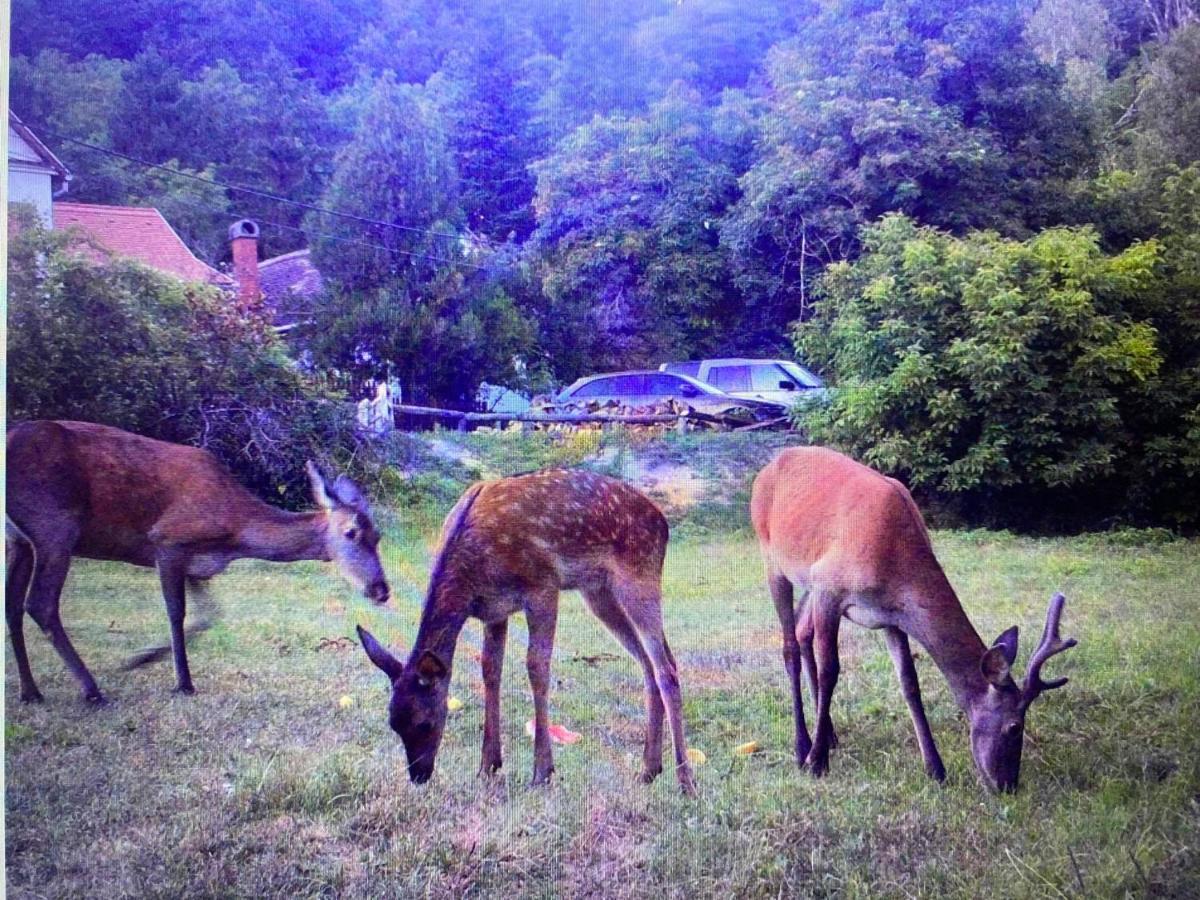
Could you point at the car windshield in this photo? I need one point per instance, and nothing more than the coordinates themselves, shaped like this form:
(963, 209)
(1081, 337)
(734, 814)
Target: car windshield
(802, 375)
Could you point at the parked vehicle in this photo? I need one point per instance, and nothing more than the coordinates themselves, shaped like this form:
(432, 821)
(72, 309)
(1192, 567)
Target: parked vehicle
(649, 387)
(774, 380)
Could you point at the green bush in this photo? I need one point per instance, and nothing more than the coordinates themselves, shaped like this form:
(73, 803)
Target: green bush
(117, 343)
(1024, 381)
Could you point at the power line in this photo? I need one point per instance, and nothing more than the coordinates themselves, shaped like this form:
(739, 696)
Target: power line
(333, 237)
(247, 190)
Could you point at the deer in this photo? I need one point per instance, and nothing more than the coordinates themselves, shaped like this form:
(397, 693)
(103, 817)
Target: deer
(79, 489)
(853, 543)
(512, 545)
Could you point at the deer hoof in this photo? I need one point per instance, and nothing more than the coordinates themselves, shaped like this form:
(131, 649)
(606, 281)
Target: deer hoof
(183, 689)
(34, 696)
(937, 773)
(95, 698)
(490, 768)
(540, 778)
(687, 783)
(648, 774)
(818, 766)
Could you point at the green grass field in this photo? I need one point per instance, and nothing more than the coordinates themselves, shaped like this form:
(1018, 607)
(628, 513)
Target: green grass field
(260, 785)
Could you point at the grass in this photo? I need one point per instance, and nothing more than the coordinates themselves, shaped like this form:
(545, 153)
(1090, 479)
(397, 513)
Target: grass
(261, 785)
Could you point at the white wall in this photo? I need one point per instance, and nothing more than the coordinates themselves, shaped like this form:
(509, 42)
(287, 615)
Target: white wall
(29, 179)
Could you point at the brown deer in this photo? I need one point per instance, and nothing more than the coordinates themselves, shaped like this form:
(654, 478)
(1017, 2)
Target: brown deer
(512, 545)
(80, 489)
(853, 542)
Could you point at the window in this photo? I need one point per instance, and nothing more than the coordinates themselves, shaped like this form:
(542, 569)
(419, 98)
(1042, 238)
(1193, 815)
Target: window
(768, 378)
(613, 386)
(730, 378)
(667, 386)
(804, 377)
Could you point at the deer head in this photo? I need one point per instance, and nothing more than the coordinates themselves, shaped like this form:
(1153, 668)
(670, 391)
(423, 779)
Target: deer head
(418, 708)
(351, 540)
(998, 716)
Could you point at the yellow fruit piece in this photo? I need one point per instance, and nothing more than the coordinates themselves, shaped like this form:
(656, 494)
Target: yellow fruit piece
(454, 704)
(696, 757)
(345, 701)
(746, 749)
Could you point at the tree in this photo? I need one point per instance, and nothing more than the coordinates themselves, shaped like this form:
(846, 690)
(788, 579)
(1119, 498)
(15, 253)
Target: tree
(402, 297)
(626, 242)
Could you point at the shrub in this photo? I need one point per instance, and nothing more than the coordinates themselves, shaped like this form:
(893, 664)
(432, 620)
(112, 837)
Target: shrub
(1024, 380)
(117, 343)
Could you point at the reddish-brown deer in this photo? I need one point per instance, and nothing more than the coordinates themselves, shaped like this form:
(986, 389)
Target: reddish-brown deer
(512, 545)
(853, 543)
(80, 489)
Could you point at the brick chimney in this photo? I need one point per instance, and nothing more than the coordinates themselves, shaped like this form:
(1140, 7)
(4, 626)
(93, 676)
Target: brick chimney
(243, 238)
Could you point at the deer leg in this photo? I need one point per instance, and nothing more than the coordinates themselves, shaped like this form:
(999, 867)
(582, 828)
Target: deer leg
(783, 594)
(897, 643)
(645, 611)
(20, 571)
(804, 636)
(172, 575)
(541, 615)
(49, 576)
(604, 607)
(825, 609)
(494, 637)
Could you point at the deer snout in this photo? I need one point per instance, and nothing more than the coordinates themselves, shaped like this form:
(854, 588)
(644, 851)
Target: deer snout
(378, 591)
(420, 773)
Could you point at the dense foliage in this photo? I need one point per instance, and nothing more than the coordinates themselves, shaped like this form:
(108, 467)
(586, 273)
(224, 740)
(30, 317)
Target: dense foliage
(541, 190)
(117, 343)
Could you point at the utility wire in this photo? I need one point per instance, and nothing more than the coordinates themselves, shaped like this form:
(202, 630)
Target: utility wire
(247, 190)
(332, 237)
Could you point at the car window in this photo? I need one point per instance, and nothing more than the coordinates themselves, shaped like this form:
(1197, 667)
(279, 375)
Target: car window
(666, 386)
(611, 386)
(802, 375)
(592, 388)
(767, 378)
(730, 378)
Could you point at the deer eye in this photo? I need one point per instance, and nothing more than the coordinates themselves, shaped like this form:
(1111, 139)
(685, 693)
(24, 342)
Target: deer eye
(1011, 729)
(351, 533)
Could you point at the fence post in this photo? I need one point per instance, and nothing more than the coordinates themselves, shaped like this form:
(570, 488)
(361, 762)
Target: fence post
(681, 425)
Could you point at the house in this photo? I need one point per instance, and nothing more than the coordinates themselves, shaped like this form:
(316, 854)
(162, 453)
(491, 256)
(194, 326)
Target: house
(139, 233)
(35, 175)
(291, 287)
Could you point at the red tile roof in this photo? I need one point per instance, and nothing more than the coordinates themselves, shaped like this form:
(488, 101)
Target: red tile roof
(140, 233)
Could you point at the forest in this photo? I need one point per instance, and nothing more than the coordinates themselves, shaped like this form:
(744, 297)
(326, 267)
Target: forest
(959, 212)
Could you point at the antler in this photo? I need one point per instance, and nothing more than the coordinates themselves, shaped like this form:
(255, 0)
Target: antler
(1050, 645)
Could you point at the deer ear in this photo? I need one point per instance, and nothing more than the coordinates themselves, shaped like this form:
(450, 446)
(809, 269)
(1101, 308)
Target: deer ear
(380, 655)
(995, 668)
(320, 488)
(430, 668)
(1008, 643)
(350, 494)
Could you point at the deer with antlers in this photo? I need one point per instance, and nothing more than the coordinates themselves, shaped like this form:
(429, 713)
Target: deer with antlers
(80, 489)
(512, 545)
(853, 543)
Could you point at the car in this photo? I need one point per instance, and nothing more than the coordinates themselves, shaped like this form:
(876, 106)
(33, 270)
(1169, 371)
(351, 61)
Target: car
(774, 380)
(650, 387)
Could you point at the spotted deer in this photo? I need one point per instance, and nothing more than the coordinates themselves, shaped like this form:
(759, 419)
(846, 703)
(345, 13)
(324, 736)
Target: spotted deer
(512, 545)
(853, 543)
(80, 489)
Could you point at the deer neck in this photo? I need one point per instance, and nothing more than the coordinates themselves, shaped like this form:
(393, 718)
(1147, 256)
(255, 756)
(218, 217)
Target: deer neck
(943, 629)
(446, 611)
(279, 536)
